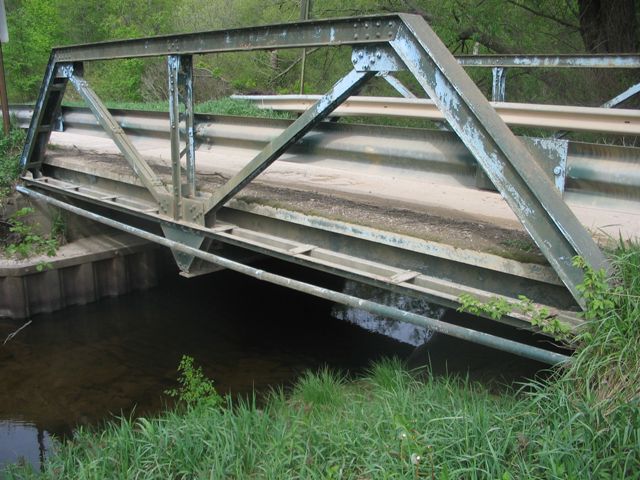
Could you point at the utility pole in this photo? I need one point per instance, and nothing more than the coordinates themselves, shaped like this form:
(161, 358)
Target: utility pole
(4, 38)
(305, 6)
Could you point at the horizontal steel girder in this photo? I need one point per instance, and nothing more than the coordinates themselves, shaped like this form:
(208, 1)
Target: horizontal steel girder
(609, 60)
(313, 33)
(456, 331)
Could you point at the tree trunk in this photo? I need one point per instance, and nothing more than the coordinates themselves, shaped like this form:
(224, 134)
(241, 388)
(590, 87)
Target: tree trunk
(609, 26)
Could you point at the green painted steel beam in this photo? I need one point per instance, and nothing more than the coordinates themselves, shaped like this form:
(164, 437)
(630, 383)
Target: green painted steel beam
(313, 33)
(109, 124)
(606, 60)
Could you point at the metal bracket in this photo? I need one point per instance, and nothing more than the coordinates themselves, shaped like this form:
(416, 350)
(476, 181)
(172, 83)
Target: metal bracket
(551, 155)
(185, 237)
(376, 58)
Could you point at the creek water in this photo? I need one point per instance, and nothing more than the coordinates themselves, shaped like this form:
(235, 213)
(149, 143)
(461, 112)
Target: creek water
(87, 364)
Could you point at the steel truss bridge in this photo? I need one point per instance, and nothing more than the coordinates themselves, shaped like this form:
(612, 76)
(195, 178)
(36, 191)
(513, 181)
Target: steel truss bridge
(468, 209)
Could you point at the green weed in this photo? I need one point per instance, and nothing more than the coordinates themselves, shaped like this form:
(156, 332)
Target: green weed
(24, 242)
(195, 389)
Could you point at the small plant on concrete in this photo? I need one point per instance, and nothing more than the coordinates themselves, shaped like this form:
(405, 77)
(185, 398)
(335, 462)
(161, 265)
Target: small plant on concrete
(24, 242)
(195, 388)
(10, 148)
(496, 307)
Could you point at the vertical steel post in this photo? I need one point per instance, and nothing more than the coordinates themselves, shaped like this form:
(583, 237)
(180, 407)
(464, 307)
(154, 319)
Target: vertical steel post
(499, 84)
(304, 15)
(3, 96)
(185, 89)
(173, 65)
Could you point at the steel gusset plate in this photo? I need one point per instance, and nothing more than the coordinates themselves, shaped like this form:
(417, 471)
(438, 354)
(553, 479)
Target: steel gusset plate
(505, 160)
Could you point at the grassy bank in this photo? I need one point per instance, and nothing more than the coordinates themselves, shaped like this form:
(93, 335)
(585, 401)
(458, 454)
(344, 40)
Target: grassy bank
(583, 423)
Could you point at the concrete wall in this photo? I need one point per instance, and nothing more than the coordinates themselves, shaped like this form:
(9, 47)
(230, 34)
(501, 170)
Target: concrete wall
(83, 271)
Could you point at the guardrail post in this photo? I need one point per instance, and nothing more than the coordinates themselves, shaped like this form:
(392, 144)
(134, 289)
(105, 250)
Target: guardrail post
(499, 84)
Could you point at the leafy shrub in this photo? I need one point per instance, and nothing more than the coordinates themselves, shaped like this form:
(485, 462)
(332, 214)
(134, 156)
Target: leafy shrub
(195, 388)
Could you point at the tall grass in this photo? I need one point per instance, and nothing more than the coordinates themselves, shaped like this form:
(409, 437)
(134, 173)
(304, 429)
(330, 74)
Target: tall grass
(584, 423)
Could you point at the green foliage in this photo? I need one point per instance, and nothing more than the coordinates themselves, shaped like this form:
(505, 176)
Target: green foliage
(496, 307)
(390, 424)
(463, 25)
(599, 296)
(195, 389)
(34, 28)
(24, 242)
(322, 388)
(10, 149)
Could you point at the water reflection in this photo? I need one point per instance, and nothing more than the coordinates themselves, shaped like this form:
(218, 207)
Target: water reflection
(404, 332)
(23, 442)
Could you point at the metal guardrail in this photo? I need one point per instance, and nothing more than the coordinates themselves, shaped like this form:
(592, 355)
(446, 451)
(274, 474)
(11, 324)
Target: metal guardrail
(552, 117)
(593, 173)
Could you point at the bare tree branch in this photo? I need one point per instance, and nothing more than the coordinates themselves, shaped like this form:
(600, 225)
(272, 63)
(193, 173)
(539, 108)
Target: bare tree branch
(11, 335)
(544, 15)
(488, 41)
(288, 69)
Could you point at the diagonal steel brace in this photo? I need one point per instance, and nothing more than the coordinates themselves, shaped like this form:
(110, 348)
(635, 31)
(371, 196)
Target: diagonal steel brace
(318, 111)
(505, 160)
(117, 134)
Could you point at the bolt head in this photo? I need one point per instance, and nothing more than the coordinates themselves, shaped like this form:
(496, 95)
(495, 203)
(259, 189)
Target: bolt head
(557, 170)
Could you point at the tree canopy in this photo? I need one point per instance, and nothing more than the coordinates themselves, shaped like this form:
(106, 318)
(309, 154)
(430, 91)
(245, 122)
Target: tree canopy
(466, 26)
